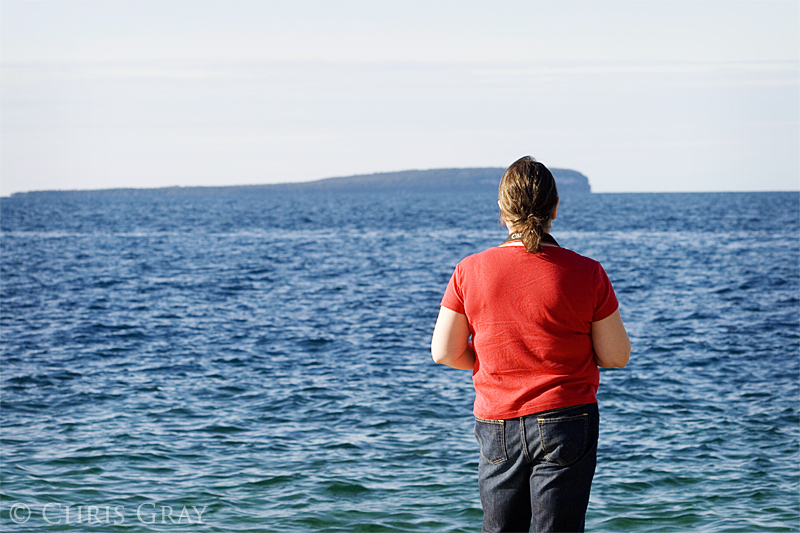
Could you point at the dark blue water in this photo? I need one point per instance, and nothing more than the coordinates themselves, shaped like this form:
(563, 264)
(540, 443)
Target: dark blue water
(260, 362)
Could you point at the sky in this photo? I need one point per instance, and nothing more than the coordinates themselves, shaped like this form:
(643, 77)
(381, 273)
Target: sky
(640, 96)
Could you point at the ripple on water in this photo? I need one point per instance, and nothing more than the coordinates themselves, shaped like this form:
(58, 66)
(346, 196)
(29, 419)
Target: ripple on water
(215, 351)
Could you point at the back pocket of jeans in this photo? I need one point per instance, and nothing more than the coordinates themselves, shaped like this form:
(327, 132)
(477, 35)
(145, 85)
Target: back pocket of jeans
(564, 439)
(491, 436)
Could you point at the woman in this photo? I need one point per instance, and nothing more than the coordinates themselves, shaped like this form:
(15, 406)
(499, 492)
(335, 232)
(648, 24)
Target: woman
(541, 320)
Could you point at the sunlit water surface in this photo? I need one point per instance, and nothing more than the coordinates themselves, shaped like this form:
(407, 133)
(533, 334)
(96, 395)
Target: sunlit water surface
(264, 358)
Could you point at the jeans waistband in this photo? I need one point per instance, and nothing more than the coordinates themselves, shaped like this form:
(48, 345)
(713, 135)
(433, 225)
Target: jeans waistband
(547, 412)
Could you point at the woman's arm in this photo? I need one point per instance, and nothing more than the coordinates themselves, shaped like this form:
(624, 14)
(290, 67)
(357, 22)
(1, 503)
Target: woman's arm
(450, 343)
(612, 347)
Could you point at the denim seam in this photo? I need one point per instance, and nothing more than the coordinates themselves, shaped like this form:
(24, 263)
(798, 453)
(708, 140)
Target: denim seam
(524, 440)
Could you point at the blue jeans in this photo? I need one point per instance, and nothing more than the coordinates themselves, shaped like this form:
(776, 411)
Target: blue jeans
(537, 470)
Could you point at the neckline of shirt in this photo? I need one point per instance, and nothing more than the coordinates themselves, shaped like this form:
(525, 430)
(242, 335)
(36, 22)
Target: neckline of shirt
(514, 239)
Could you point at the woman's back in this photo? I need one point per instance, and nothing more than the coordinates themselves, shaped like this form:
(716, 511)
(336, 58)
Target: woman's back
(530, 316)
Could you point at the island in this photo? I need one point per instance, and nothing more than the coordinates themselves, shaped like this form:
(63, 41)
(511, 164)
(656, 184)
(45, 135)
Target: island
(443, 179)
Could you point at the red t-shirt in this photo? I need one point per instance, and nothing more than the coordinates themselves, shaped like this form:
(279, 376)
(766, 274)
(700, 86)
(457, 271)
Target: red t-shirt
(530, 317)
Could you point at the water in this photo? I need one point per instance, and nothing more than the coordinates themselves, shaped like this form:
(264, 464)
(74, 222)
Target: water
(260, 362)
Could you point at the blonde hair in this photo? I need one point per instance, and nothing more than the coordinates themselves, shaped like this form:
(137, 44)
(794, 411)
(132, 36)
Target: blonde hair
(527, 197)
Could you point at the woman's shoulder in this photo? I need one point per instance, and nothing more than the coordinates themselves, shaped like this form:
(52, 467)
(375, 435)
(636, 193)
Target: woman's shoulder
(484, 257)
(572, 254)
(572, 257)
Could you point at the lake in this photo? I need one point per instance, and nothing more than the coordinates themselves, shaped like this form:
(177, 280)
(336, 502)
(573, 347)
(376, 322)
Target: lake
(260, 361)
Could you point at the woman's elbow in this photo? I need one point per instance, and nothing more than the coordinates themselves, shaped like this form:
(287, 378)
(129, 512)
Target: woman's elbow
(618, 358)
(442, 352)
(612, 346)
(438, 356)
(455, 358)
(622, 359)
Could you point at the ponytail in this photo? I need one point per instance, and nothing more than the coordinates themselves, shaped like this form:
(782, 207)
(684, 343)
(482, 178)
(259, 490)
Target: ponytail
(532, 230)
(527, 197)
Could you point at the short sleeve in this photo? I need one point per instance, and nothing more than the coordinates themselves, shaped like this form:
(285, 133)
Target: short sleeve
(452, 298)
(605, 299)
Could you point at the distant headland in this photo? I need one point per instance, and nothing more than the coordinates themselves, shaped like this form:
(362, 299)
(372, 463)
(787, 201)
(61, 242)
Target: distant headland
(443, 179)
